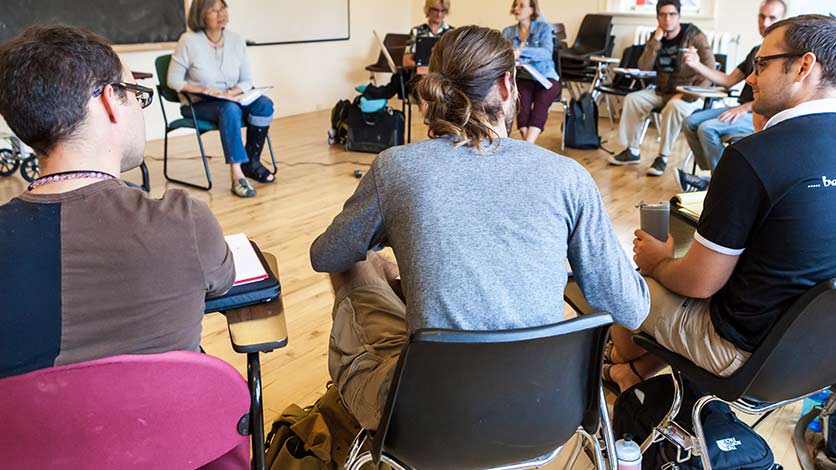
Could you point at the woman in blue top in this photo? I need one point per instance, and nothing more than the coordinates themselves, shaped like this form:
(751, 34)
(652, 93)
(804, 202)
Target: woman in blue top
(211, 60)
(533, 42)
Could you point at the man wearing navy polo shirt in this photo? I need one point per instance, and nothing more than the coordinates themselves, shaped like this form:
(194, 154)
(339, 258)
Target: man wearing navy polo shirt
(768, 227)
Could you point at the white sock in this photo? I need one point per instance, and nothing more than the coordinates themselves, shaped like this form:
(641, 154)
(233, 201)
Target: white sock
(634, 152)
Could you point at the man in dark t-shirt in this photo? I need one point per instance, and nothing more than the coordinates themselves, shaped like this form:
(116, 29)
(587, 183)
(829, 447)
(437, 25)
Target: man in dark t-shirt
(767, 230)
(705, 130)
(91, 267)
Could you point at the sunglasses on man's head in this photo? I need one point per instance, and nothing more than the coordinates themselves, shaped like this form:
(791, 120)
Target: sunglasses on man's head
(144, 95)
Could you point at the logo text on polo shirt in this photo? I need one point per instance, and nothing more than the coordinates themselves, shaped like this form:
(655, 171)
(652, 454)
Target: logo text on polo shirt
(825, 182)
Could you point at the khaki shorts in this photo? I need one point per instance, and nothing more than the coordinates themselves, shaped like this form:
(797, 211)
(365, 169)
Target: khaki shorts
(367, 336)
(683, 325)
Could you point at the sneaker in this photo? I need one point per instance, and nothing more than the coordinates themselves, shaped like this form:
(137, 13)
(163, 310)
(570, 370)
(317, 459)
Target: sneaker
(242, 188)
(657, 168)
(690, 183)
(625, 158)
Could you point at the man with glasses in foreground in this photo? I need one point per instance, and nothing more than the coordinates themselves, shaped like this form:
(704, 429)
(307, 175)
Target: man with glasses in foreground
(767, 229)
(92, 267)
(663, 53)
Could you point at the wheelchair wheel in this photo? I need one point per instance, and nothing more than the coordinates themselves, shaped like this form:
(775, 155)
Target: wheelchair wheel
(8, 162)
(30, 169)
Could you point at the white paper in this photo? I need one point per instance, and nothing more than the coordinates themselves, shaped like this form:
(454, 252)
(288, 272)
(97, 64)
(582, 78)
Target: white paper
(541, 79)
(248, 267)
(243, 99)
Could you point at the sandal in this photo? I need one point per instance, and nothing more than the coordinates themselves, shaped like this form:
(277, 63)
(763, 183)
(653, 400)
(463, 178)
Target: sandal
(610, 384)
(258, 172)
(242, 188)
(607, 381)
(608, 348)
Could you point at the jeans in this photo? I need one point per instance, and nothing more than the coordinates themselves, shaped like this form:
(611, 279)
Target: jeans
(230, 118)
(704, 133)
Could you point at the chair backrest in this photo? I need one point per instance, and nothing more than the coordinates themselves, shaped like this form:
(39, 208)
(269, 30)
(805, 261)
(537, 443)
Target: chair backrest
(799, 354)
(559, 35)
(161, 64)
(720, 61)
(481, 399)
(396, 45)
(594, 34)
(172, 410)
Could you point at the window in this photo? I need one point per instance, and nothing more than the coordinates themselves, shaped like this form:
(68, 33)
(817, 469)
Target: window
(689, 7)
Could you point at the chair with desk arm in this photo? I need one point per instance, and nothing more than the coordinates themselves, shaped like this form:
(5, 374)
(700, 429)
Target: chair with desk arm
(176, 409)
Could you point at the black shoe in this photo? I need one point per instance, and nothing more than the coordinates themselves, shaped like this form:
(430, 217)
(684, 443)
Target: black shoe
(657, 168)
(625, 158)
(690, 183)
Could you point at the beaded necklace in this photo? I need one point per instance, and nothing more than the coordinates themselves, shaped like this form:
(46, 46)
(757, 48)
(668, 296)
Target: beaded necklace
(70, 175)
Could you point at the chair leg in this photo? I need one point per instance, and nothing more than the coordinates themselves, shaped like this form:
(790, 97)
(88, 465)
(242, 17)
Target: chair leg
(606, 430)
(610, 111)
(657, 121)
(699, 436)
(563, 129)
(272, 155)
(146, 180)
(205, 165)
(576, 452)
(688, 160)
(256, 410)
(671, 414)
(599, 458)
(645, 126)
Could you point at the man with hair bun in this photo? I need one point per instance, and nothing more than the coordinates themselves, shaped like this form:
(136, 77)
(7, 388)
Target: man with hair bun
(481, 225)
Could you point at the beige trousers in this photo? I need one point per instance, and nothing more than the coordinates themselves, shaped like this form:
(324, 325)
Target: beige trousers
(639, 104)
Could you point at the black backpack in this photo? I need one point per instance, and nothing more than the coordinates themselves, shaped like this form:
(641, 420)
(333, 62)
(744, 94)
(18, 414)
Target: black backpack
(339, 122)
(582, 124)
(374, 132)
(732, 444)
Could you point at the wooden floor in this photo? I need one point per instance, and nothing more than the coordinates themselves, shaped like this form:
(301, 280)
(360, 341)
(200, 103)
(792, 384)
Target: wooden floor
(313, 181)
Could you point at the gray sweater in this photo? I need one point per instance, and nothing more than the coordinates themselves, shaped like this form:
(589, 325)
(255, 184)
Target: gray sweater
(482, 240)
(197, 63)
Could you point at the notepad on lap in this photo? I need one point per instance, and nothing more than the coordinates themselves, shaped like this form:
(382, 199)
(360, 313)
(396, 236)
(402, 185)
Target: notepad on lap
(539, 77)
(243, 99)
(690, 203)
(248, 267)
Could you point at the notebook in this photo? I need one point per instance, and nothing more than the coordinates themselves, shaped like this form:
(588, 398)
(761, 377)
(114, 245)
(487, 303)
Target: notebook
(253, 284)
(248, 267)
(690, 203)
(243, 99)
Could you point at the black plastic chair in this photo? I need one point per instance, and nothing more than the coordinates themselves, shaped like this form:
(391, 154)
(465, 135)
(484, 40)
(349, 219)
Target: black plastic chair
(396, 45)
(493, 399)
(594, 38)
(622, 85)
(200, 127)
(796, 359)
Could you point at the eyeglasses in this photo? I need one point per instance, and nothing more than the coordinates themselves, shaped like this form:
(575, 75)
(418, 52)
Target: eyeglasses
(438, 10)
(763, 61)
(217, 11)
(144, 95)
(667, 15)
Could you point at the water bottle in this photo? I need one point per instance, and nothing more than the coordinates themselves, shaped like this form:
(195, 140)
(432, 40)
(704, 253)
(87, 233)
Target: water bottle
(812, 401)
(629, 454)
